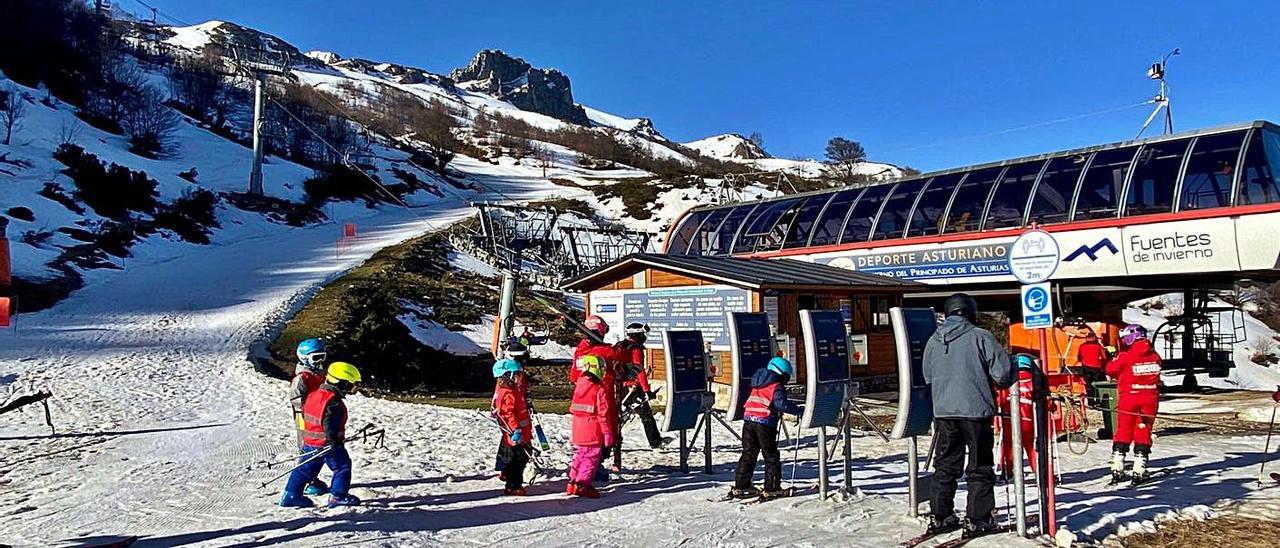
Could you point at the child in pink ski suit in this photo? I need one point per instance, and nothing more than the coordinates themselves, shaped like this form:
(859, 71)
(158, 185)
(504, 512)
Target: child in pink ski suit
(593, 426)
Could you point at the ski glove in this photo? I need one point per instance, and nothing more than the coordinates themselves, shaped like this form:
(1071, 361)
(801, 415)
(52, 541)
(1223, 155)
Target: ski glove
(516, 437)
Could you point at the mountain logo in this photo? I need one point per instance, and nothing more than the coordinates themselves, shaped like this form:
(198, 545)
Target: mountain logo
(1092, 250)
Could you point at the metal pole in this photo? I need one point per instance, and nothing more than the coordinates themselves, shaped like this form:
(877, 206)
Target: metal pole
(1015, 435)
(506, 309)
(1050, 504)
(684, 452)
(706, 442)
(848, 453)
(913, 469)
(822, 462)
(255, 176)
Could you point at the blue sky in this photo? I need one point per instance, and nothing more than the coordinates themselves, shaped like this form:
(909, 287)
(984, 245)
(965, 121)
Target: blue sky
(930, 85)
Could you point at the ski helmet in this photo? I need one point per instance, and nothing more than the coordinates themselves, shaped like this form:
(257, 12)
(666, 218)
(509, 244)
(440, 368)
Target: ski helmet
(597, 324)
(1131, 333)
(961, 304)
(506, 366)
(343, 372)
(591, 365)
(781, 366)
(1025, 361)
(311, 353)
(637, 332)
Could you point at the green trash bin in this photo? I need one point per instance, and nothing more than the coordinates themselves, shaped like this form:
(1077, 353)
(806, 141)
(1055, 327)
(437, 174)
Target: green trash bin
(1107, 397)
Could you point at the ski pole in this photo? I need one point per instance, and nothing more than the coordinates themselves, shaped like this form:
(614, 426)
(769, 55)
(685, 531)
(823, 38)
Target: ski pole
(314, 456)
(1266, 452)
(795, 456)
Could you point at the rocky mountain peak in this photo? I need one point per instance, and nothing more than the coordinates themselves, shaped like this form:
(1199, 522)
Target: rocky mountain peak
(511, 79)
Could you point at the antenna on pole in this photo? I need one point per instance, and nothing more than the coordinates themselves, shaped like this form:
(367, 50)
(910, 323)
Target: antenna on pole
(1161, 100)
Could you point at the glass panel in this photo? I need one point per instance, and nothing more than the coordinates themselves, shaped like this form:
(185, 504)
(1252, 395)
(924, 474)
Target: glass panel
(1056, 189)
(1010, 200)
(1154, 177)
(1210, 171)
(722, 242)
(683, 234)
(927, 218)
(1261, 183)
(893, 221)
(802, 224)
(1100, 190)
(858, 227)
(760, 231)
(971, 199)
(706, 233)
(827, 231)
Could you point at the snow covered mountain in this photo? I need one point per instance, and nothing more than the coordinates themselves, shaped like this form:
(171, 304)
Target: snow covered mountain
(728, 145)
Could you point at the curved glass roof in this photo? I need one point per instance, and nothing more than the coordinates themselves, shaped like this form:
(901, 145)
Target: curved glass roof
(1221, 167)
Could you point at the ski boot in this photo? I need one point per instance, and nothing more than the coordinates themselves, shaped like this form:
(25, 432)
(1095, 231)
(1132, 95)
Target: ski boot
(516, 492)
(316, 488)
(770, 494)
(1140, 472)
(571, 488)
(978, 527)
(343, 500)
(938, 526)
(292, 500)
(1117, 467)
(587, 491)
(740, 493)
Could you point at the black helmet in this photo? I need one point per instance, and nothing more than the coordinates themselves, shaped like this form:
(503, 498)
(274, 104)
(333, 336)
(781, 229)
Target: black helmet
(637, 332)
(961, 304)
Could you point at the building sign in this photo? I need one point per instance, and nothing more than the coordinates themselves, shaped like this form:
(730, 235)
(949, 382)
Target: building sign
(930, 263)
(702, 308)
(1206, 245)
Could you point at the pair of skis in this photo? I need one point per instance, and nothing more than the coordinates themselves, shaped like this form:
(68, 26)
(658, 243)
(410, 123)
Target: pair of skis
(759, 496)
(960, 540)
(1151, 476)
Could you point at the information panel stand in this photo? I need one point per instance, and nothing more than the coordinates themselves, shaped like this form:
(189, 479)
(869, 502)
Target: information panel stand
(826, 346)
(690, 403)
(912, 328)
(751, 346)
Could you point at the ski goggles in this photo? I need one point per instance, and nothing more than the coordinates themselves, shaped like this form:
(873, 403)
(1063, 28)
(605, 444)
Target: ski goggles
(316, 358)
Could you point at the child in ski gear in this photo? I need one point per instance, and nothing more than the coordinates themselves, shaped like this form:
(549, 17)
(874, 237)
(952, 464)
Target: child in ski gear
(1027, 370)
(961, 363)
(308, 376)
(324, 418)
(634, 392)
(1137, 370)
(593, 425)
(511, 408)
(761, 413)
(515, 350)
(610, 357)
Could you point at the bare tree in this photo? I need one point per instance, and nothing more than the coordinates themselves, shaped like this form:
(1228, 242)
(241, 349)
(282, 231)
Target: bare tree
(433, 126)
(758, 139)
(13, 106)
(843, 156)
(198, 86)
(149, 123)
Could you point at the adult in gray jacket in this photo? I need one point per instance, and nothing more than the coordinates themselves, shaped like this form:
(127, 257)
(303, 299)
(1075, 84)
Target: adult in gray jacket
(962, 362)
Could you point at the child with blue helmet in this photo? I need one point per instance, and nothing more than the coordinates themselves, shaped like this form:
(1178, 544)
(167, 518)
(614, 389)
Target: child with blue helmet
(308, 375)
(511, 409)
(763, 409)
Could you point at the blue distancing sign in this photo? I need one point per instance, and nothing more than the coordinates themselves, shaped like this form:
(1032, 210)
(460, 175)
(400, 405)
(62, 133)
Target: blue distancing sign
(1037, 306)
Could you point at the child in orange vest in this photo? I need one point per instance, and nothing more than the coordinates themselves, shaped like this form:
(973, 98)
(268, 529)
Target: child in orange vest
(593, 426)
(761, 413)
(324, 434)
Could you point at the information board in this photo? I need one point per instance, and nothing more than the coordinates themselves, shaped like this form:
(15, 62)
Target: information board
(826, 353)
(701, 308)
(686, 368)
(912, 328)
(751, 348)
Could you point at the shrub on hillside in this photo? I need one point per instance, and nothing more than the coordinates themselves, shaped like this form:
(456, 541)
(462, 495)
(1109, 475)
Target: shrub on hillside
(346, 183)
(637, 195)
(112, 191)
(54, 192)
(114, 239)
(191, 216)
(21, 213)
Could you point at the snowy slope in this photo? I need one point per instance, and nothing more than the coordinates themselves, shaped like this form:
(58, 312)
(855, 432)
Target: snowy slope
(728, 145)
(736, 148)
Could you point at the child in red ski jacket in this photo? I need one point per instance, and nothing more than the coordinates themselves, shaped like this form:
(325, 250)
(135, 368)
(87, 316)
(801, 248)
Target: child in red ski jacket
(593, 425)
(511, 408)
(1137, 370)
(1026, 385)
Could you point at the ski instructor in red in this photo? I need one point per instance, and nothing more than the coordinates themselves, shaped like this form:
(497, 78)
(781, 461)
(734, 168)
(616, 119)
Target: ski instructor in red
(1137, 372)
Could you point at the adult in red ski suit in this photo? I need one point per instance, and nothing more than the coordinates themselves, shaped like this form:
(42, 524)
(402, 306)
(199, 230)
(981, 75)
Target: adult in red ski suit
(1092, 357)
(1137, 371)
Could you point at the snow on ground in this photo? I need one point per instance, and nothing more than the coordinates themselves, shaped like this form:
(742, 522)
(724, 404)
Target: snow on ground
(1246, 374)
(437, 336)
(612, 120)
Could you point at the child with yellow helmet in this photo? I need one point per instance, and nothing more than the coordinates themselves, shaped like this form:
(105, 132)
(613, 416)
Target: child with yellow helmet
(324, 417)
